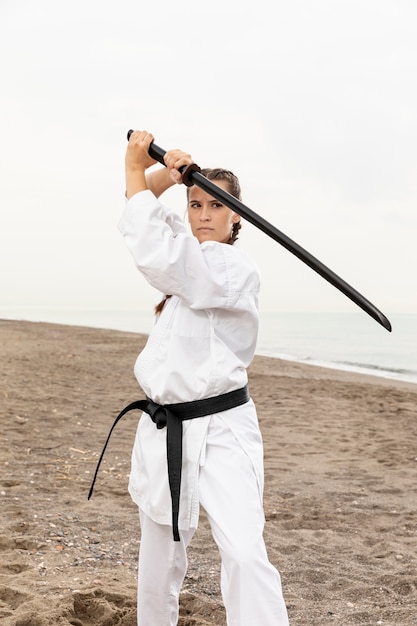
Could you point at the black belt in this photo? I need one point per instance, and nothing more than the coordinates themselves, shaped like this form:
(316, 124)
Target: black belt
(172, 416)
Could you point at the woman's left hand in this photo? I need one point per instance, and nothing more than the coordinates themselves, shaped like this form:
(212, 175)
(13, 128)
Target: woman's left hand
(174, 160)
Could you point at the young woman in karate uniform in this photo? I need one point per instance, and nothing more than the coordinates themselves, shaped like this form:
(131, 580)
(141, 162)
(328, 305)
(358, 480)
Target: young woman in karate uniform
(200, 347)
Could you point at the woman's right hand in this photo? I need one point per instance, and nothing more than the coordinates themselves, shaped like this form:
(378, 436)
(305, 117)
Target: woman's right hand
(137, 160)
(137, 151)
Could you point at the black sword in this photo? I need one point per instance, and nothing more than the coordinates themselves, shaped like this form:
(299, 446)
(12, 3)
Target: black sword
(193, 176)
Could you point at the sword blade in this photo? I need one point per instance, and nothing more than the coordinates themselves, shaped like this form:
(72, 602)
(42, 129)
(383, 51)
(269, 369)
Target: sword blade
(269, 229)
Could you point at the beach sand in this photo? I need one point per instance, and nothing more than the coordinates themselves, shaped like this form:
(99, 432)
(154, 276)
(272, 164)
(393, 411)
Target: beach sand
(340, 491)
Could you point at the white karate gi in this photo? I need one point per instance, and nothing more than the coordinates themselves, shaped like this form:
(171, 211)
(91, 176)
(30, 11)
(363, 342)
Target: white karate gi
(200, 347)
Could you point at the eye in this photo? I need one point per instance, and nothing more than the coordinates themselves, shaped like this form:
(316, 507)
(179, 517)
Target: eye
(216, 205)
(194, 205)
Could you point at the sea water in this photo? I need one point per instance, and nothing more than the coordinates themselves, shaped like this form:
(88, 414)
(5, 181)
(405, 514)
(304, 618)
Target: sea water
(347, 341)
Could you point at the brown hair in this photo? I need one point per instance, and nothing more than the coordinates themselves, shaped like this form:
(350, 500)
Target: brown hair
(233, 187)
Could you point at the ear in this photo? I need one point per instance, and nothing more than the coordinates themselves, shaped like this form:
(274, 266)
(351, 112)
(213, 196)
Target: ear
(236, 218)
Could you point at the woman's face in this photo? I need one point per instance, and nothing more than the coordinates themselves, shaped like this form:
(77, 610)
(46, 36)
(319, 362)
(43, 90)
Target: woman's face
(210, 219)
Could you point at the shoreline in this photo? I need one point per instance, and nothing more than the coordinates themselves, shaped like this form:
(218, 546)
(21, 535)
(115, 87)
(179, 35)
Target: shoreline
(348, 369)
(340, 463)
(379, 372)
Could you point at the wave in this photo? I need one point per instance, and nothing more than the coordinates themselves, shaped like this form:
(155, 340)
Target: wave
(394, 373)
(397, 371)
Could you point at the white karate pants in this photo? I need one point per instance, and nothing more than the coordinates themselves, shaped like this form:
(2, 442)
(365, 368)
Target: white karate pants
(251, 586)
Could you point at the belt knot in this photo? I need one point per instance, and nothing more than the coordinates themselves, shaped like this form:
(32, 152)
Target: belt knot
(157, 413)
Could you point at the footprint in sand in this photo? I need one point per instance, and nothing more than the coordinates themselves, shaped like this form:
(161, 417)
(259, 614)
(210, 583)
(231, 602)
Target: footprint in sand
(11, 598)
(99, 607)
(14, 568)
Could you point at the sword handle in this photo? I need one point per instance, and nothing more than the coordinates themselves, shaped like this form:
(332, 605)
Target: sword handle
(157, 153)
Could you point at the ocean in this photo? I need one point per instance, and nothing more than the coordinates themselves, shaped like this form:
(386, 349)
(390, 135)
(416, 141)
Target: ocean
(347, 341)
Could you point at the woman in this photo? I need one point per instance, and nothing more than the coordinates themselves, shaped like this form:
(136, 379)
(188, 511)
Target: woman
(198, 351)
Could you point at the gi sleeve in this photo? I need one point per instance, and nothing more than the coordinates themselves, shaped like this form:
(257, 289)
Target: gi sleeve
(207, 275)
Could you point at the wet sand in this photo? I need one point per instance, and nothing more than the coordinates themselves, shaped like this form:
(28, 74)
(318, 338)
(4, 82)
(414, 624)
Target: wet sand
(340, 490)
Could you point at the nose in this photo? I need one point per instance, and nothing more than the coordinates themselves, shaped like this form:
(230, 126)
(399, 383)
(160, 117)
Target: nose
(205, 215)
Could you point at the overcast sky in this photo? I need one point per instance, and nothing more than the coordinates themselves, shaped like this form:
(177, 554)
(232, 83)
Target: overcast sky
(311, 102)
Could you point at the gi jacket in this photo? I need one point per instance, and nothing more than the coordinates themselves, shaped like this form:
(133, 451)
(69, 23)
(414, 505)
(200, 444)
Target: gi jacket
(200, 346)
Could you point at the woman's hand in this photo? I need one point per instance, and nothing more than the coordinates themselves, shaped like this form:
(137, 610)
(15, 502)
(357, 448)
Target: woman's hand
(161, 180)
(137, 160)
(137, 152)
(174, 160)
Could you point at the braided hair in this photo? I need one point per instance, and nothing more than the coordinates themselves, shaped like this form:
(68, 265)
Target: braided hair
(233, 187)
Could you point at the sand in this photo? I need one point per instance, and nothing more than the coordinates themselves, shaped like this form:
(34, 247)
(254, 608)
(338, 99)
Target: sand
(340, 494)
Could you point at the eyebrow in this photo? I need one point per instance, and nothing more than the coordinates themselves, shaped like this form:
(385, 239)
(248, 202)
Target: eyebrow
(212, 201)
